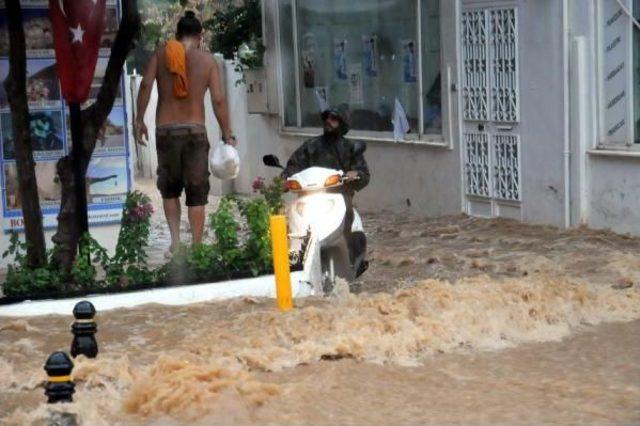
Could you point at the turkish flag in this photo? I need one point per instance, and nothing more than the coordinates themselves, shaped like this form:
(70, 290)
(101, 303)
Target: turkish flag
(77, 30)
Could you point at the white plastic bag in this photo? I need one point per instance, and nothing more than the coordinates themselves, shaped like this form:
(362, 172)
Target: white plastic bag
(225, 162)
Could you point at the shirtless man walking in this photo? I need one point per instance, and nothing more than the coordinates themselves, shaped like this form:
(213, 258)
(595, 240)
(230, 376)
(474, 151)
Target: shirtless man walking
(184, 73)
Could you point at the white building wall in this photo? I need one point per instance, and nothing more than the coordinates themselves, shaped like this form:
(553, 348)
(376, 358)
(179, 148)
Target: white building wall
(542, 83)
(610, 196)
(615, 194)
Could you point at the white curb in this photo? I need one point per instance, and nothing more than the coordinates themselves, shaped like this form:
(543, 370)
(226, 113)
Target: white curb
(183, 295)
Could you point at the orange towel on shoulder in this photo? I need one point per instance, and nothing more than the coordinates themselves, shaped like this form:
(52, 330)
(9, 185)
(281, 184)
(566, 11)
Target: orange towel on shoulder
(176, 58)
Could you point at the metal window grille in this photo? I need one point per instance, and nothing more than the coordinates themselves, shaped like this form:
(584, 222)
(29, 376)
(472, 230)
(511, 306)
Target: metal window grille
(506, 169)
(477, 164)
(503, 48)
(474, 40)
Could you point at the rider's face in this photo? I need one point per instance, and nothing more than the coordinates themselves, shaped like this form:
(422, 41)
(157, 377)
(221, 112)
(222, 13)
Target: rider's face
(331, 123)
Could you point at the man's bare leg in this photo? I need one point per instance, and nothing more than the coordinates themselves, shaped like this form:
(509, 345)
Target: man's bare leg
(196, 221)
(172, 213)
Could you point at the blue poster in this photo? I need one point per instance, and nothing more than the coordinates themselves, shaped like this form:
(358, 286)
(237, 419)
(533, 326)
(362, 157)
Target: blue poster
(370, 55)
(109, 175)
(410, 72)
(340, 59)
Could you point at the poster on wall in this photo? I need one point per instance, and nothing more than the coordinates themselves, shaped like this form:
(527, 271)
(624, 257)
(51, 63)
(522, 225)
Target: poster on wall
(110, 137)
(38, 32)
(308, 69)
(355, 84)
(308, 57)
(410, 73)
(109, 175)
(98, 77)
(370, 55)
(110, 31)
(340, 59)
(49, 190)
(322, 98)
(47, 135)
(43, 87)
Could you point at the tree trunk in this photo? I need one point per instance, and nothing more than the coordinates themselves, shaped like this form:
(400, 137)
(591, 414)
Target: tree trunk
(69, 232)
(16, 88)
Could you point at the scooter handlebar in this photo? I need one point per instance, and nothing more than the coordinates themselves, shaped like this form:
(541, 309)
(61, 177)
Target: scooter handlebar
(346, 179)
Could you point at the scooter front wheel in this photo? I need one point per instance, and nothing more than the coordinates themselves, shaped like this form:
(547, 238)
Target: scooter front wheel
(328, 275)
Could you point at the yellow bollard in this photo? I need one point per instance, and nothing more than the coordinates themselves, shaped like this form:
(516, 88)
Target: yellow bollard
(280, 249)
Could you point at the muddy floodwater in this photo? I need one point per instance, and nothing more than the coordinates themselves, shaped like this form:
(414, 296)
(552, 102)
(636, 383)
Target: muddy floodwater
(458, 320)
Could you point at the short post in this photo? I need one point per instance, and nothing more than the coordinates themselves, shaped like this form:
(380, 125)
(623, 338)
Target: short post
(59, 387)
(84, 329)
(280, 249)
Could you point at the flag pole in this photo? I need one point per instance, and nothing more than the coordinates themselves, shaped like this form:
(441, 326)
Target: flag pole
(77, 158)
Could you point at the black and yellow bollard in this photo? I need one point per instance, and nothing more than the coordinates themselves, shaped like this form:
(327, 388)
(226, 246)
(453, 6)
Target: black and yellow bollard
(59, 387)
(84, 329)
(280, 249)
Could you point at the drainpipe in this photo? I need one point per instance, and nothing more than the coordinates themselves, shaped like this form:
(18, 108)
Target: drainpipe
(567, 134)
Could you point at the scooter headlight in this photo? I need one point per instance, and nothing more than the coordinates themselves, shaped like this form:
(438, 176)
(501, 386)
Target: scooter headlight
(315, 209)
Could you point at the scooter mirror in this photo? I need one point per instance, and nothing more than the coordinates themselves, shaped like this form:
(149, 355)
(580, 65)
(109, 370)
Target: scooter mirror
(271, 161)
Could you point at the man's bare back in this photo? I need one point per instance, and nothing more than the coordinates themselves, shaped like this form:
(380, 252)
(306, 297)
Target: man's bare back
(202, 75)
(200, 69)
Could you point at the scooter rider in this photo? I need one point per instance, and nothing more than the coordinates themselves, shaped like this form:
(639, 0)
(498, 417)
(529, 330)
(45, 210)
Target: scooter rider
(332, 150)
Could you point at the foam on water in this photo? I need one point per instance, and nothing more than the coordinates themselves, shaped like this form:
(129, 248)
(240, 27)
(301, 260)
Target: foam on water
(213, 367)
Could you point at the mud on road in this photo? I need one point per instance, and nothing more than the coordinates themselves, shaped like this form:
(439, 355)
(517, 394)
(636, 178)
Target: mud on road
(458, 320)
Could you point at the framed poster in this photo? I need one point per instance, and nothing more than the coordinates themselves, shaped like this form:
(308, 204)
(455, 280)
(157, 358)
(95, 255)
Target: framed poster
(409, 61)
(109, 176)
(308, 57)
(370, 55)
(340, 59)
(355, 84)
(322, 98)
(47, 135)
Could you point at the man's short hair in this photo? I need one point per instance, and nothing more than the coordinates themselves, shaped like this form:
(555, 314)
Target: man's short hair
(188, 26)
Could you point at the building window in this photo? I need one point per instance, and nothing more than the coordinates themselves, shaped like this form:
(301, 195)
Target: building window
(359, 56)
(619, 74)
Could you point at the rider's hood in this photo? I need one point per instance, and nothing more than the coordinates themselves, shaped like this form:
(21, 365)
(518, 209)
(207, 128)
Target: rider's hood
(343, 127)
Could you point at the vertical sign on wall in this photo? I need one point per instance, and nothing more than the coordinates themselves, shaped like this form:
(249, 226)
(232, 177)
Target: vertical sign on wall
(616, 73)
(108, 176)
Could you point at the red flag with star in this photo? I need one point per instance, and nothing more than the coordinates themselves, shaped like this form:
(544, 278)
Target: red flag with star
(77, 31)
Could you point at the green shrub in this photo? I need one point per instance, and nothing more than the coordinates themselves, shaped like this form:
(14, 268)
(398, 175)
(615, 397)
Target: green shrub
(128, 267)
(273, 193)
(21, 279)
(202, 261)
(257, 249)
(90, 252)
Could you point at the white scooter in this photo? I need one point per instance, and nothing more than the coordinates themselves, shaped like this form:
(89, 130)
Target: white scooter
(316, 226)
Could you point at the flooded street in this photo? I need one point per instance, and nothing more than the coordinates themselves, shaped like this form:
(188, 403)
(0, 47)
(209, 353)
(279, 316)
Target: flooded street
(458, 320)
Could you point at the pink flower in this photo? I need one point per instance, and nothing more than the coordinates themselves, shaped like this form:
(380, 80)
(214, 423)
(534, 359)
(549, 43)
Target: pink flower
(258, 184)
(148, 209)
